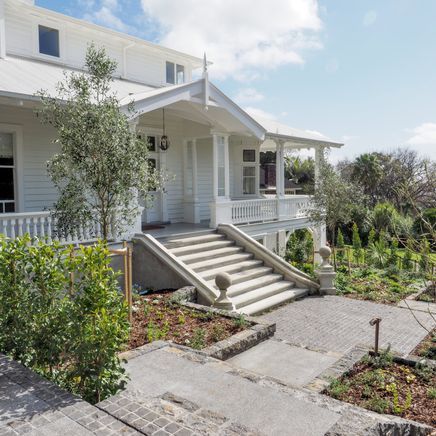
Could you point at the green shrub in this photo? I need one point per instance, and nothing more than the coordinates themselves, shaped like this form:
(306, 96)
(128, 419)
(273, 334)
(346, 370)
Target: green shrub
(69, 332)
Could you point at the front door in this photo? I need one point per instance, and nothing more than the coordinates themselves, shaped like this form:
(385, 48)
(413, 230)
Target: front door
(153, 206)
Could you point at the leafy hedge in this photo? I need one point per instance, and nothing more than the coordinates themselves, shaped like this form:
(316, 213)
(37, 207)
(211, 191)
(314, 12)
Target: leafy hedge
(61, 314)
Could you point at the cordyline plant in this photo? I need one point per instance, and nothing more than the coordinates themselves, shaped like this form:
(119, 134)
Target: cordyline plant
(102, 166)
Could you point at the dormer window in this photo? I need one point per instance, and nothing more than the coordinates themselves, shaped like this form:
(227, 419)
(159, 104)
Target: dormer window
(48, 41)
(175, 74)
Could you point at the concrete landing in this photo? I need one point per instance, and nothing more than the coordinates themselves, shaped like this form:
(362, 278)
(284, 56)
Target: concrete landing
(219, 388)
(292, 365)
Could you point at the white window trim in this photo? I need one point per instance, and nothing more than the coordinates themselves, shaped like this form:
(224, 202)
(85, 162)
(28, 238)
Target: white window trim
(62, 45)
(175, 73)
(17, 132)
(253, 165)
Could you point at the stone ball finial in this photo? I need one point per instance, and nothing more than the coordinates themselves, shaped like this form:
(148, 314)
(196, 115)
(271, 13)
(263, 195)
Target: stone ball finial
(325, 252)
(223, 280)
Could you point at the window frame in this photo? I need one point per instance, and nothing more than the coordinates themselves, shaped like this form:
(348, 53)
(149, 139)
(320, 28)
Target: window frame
(17, 135)
(175, 73)
(249, 164)
(62, 45)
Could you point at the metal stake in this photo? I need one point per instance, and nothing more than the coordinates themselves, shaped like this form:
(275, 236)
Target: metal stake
(376, 322)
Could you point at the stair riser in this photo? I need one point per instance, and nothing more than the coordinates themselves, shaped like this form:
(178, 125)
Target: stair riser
(234, 293)
(193, 249)
(249, 276)
(256, 298)
(231, 269)
(219, 262)
(174, 243)
(210, 255)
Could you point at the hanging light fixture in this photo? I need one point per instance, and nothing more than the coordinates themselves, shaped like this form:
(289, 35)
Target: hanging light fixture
(164, 141)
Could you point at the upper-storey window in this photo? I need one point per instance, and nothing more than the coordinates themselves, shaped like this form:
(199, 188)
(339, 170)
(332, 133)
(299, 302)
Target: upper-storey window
(175, 73)
(48, 41)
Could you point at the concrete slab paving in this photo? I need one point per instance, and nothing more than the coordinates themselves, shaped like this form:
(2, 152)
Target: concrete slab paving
(338, 324)
(293, 365)
(215, 387)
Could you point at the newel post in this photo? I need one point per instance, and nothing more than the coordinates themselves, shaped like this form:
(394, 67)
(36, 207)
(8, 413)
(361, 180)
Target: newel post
(223, 281)
(326, 273)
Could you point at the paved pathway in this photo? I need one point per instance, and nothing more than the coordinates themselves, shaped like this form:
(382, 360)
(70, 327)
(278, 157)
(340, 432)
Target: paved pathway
(337, 324)
(32, 405)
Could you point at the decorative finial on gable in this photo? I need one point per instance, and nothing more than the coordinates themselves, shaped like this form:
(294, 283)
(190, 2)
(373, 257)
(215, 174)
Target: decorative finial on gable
(206, 83)
(204, 65)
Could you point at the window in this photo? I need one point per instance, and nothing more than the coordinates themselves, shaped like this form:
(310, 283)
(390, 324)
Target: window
(48, 41)
(175, 73)
(180, 74)
(249, 180)
(170, 73)
(7, 173)
(249, 155)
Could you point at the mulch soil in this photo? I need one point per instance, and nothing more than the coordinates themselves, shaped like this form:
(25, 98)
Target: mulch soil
(427, 347)
(156, 317)
(366, 385)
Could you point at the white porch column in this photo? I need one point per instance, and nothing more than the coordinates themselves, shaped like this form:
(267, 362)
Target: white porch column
(280, 179)
(191, 205)
(280, 169)
(163, 192)
(220, 208)
(2, 30)
(319, 159)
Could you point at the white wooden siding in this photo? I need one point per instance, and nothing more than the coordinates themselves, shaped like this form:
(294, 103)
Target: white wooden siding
(143, 64)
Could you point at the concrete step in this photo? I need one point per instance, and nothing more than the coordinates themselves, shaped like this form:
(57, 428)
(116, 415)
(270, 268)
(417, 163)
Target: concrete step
(211, 254)
(246, 275)
(257, 283)
(204, 246)
(210, 274)
(262, 293)
(234, 259)
(273, 301)
(192, 239)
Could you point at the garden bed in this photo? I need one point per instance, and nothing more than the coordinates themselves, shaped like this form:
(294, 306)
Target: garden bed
(387, 385)
(381, 286)
(427, 347)
(168, 316)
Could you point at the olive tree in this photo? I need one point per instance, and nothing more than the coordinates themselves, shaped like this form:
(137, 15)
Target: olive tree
(102, 166)
(334, 200)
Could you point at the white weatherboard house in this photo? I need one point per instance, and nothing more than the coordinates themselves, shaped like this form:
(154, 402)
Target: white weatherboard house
(212, 211)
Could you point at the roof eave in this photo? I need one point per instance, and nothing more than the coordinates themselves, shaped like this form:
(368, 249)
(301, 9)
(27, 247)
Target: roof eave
(303, 142)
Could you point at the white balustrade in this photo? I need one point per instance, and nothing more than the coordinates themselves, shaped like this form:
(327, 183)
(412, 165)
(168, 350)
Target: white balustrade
(262, 209)
(41, 225)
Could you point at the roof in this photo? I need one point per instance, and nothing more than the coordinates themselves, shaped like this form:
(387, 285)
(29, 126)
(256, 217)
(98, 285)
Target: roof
(292, 135)
(25, 77)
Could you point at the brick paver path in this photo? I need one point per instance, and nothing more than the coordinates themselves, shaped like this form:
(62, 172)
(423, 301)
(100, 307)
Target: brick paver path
(337, 324)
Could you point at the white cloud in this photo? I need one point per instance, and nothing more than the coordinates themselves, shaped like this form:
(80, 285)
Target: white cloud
(105, 14)
(256, 112)
(423, 139)
(369, 18)
(248, 95)
(239, 37)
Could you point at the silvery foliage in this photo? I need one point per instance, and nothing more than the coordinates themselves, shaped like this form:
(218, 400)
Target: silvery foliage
(102, 166)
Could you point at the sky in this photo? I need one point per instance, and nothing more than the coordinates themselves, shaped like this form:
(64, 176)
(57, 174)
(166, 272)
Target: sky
(362, 72)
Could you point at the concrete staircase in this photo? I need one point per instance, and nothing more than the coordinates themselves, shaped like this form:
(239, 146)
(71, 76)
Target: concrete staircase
(255, 286)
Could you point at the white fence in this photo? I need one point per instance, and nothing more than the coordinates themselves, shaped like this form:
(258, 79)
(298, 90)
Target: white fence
(41, 225)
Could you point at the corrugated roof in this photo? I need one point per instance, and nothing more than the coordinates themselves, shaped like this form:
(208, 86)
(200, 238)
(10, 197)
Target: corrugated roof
(28, 76)
(276, 129)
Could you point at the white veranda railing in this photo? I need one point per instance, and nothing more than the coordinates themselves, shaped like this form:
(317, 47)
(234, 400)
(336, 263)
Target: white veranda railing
(42, 225)
(268, 209)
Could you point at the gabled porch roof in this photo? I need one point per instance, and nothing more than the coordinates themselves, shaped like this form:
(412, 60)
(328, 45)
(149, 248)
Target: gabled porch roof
(203, 102)
(207, 106)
